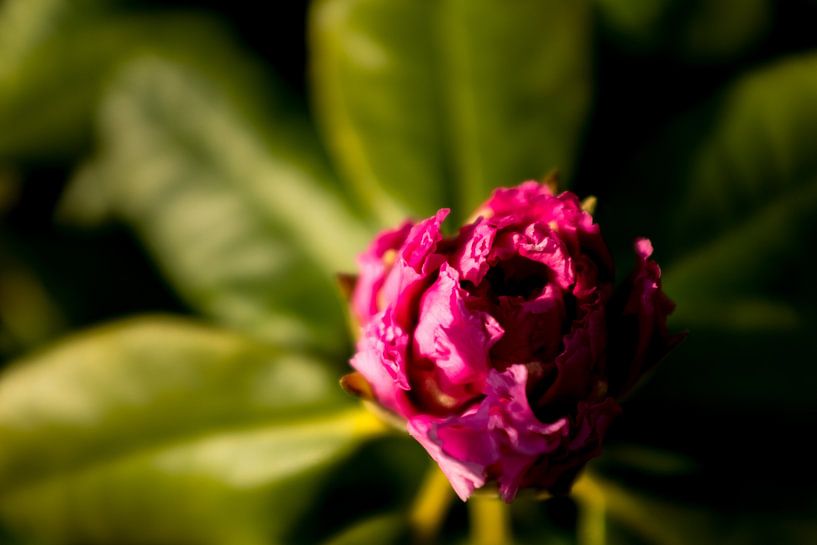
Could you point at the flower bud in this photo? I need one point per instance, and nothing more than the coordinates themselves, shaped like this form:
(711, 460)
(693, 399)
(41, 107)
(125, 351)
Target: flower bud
(505, 348)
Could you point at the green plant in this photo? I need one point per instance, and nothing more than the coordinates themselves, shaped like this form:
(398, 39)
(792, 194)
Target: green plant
(227, 426)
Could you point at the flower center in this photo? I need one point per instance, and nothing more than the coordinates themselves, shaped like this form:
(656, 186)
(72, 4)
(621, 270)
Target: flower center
(518, 277)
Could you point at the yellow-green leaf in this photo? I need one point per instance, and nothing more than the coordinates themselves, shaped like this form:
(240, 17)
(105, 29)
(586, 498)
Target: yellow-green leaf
(157, 430)
(428, 104)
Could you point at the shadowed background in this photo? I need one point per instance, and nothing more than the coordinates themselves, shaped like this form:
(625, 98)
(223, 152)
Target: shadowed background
(192, 174)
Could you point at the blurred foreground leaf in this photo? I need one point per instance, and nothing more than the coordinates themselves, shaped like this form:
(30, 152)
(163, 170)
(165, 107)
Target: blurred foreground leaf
(247, 228)
(160, 431)
(428, 104)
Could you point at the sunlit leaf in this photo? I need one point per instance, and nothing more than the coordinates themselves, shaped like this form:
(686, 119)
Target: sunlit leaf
(160, 431)
(24, 24)
(247, 228)
(428, 104)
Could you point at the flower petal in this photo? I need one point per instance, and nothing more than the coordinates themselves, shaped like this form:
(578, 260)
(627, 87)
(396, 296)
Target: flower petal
(451, 335)
(374, 265)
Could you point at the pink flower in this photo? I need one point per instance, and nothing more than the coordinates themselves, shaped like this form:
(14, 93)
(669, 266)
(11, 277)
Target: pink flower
(505, 347)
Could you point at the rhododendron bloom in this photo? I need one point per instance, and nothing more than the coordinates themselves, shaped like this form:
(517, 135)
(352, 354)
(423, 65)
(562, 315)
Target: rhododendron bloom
(504, 348)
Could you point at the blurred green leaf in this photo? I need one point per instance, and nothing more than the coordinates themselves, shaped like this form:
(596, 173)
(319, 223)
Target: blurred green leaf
(633, 516)
(634, 22)
(739, 216)
(24, 24)
(754, 147)
(429, 104)
(49, 93)
(650, 461)
(378, 530)
(28, 314)
(697, 30)
(157, 430)
(247, 228)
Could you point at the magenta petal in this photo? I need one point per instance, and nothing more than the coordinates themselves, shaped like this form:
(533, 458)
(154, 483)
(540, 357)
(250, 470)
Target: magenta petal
(422, 240)
(416, 262)
(580, 360)
(381, 358)
(522, 438)
(513, 200)
(374, 265)
(449, 334)
(539, 244)
(501, 438)
(532, 328)
(471, 260)
(639, 338)
(465, 477)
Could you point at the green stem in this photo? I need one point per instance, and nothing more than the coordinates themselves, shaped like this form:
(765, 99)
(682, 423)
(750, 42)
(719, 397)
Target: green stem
(592, 523)
(430, 506)
(490, 520)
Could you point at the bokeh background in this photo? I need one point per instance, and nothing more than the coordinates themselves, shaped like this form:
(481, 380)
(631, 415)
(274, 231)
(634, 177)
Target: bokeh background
(180, 180)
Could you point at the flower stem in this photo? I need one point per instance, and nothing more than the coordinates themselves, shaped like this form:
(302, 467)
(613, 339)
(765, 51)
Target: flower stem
(490, 520)
(430, 506)
(592, 527)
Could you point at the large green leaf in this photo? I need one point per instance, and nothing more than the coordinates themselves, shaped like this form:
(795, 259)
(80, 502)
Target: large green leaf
(161, 431)
(745, 206)
(431, 103)
(248, 227)
(735, 194)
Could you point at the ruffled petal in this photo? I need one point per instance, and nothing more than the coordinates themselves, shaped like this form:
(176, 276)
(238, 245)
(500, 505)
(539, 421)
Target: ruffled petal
(639, 336)
(382, 359)
(471, 259)
(373, 265)
(465, 477)
(532, 328)
(451, 335)
(500, 439)
(417, 262)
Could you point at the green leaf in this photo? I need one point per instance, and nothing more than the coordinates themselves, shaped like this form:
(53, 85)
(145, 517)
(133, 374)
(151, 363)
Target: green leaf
(49, 91)
(248, 226)
(24, 24)
(157, 430)
(746, 199)
(28, 314)
(427, 104)
(697, 30)
(634, 516)
(377, 530)
(741, 212)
